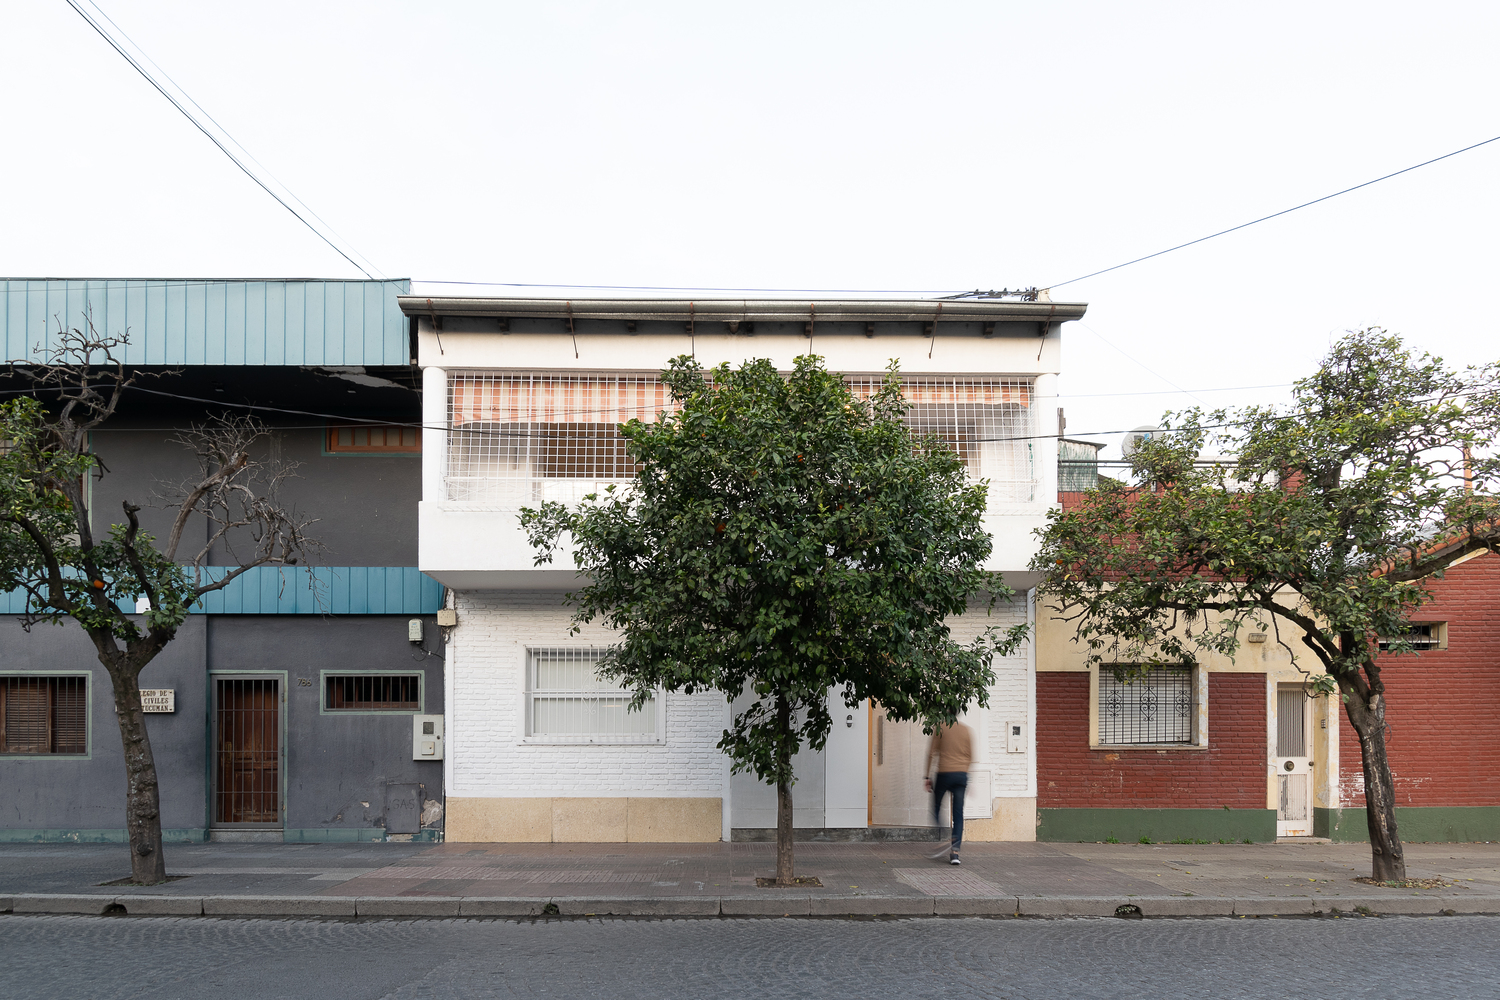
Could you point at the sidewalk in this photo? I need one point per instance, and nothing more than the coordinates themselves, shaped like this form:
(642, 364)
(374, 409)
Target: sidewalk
(705, 880)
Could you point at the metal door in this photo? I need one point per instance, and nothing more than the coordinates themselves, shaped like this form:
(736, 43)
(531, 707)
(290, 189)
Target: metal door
(1293, 762)
(247, 747)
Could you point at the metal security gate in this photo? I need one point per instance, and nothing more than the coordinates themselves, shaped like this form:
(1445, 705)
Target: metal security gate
(247, 752)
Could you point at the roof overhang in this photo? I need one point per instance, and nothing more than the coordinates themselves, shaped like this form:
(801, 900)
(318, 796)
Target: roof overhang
(746, 310)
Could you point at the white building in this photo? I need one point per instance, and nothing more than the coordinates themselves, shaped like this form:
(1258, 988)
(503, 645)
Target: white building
(521, 399)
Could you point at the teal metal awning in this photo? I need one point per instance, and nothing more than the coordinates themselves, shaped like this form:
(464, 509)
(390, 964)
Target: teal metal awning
(299, 590)
(188, 321)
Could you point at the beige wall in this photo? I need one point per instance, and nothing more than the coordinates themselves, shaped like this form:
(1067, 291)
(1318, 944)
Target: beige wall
(1014, 819)
(1057, 650)
(583, 820)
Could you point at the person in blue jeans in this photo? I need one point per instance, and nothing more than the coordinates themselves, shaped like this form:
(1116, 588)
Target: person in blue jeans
(953, 746)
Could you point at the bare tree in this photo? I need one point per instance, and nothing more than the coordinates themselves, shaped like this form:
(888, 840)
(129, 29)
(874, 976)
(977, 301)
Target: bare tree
(49, 550)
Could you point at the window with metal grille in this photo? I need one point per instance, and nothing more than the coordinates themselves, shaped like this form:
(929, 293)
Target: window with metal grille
(1154, 707)
(373, 439)
(44, 715)
(372, 692)
(521, 438)
(567, 701)
(1421, 637)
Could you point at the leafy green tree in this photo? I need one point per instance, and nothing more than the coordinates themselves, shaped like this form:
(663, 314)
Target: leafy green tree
(49, 550)
(1335, 512)
(783, 539)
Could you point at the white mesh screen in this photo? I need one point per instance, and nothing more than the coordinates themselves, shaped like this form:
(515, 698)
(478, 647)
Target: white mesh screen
(520, 438)
(567, 700)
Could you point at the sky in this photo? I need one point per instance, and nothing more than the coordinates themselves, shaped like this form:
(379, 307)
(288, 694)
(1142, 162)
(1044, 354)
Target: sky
(805, 146)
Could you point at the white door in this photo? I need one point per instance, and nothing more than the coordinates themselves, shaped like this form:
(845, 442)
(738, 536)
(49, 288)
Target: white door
(898, 764)
(1293, 761)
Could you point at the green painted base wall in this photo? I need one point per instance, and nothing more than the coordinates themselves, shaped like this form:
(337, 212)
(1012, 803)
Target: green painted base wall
(1128, 826)
(1415, 824)
(95, 836)
(358, 835)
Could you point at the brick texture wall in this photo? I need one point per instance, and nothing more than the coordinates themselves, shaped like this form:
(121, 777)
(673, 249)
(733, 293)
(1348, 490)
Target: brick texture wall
(486, 688)
(1444, 739)
(1231, 772)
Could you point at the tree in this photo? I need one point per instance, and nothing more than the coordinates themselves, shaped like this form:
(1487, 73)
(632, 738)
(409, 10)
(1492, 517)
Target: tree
(1335, 512)
(49, 550)
(782, 539)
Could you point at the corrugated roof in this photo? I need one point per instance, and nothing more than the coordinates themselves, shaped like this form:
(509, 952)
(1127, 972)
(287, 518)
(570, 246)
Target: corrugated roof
(207, 321)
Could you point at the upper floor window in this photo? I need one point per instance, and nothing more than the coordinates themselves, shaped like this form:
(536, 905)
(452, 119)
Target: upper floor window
(373, 439)
(44, 714)
(518, 439)
(1423, 636)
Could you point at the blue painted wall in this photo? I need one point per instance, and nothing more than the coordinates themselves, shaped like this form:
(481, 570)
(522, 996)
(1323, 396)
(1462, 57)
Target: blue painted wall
(176, 321)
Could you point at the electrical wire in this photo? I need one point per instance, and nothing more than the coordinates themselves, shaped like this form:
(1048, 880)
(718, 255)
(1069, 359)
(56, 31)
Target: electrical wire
(1273, 215)
(211, 137)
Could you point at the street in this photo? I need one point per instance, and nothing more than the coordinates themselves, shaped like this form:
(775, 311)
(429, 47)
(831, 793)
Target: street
(167, 958)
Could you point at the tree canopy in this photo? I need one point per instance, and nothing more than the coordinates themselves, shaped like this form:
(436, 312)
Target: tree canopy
(782, 539)
(1322, 525)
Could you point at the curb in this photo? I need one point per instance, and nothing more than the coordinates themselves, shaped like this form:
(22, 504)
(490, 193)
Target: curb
(388, 907)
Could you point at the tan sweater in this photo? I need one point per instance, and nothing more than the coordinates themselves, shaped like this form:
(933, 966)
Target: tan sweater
(953, 746)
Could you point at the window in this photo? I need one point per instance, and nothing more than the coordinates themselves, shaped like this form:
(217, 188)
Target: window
(44, 715)
(1428, 635)
(372, 692)
(373, 439)
(521, 438)
(567, 701)
(1158, 707)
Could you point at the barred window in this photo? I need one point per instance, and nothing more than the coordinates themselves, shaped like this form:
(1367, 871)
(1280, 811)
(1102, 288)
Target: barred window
(1430, 635)
(1155, 707)
(372, 692)
(567, 700)
(44, 715)
(518, 439)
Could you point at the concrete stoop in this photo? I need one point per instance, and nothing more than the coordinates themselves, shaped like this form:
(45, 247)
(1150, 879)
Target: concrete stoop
(377, 907)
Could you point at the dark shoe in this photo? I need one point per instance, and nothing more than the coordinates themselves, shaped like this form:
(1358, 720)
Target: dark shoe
(953, 860)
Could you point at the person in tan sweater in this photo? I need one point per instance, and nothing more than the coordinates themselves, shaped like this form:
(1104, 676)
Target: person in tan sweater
(953, 746)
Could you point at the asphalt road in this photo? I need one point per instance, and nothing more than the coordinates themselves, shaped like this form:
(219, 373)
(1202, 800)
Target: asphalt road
(167, 958)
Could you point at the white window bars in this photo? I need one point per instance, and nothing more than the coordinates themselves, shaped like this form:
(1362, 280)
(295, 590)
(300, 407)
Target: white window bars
(567, 702)
(517, 439)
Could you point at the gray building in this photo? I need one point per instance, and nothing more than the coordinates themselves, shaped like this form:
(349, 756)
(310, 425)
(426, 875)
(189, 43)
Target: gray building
(292, 704)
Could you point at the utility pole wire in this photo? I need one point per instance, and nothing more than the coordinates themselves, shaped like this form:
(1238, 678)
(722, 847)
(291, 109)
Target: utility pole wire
(1273, 215)
(211, 137)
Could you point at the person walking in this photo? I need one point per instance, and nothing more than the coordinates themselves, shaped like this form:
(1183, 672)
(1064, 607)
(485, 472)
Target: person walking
(953, 746)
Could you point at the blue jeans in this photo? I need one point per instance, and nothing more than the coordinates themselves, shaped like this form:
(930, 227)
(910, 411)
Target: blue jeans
(954, 783)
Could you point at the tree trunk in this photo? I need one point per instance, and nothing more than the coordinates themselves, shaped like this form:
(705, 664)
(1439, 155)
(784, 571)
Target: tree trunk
(148, 866)
(784, 872)
(1388, 859)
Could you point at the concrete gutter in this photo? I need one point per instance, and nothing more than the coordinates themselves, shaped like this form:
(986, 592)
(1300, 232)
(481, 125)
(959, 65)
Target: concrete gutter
(407, 907)
(747, 310)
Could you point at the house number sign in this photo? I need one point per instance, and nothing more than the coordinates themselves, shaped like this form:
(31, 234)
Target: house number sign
(158, 699)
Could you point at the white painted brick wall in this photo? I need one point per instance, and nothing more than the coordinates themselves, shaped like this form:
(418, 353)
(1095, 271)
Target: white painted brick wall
(1009, 697)
(486, 689)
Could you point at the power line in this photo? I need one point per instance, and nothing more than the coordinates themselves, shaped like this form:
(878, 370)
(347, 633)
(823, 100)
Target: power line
(211, 137)
(1273, 215)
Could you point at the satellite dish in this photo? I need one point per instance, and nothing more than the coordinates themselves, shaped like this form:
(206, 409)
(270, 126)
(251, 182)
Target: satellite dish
(1135, 438)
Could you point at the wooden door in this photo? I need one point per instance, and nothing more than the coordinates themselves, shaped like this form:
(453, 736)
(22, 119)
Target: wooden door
(247, 751)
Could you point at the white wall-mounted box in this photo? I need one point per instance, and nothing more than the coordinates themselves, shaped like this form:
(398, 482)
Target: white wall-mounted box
(426, 737)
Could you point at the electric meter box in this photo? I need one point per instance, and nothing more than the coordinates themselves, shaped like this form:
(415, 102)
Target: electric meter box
(1015, 737)
(426, 737)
